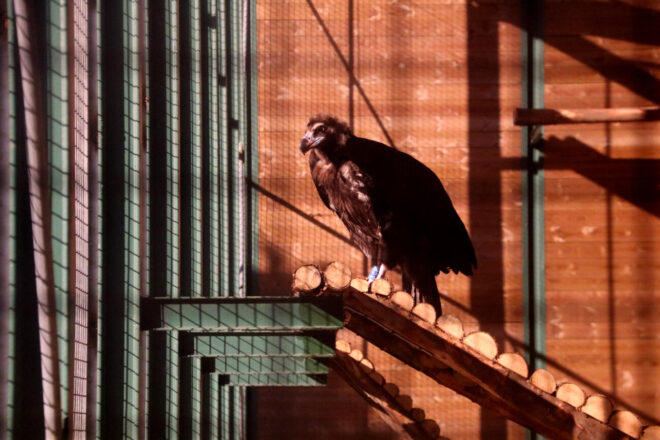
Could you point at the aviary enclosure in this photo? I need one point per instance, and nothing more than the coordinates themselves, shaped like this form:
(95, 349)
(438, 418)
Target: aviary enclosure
(154, 205)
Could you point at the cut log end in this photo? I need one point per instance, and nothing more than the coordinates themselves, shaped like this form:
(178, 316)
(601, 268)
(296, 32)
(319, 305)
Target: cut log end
(599, 407)
(483, 343)
(342, 346)
(571, 394)
(381, 287)
(377, 377)
(626, 422)
(543, 380)
(450, 324)
(403, 300)
(425, 311)
(337, 276)
(430, 427)
(356, 355)
(360, 284)
(307, 280)
(405, 402)
(417, 414)
(651, 433)
(391, 389)
(515, 363)
(367, 365)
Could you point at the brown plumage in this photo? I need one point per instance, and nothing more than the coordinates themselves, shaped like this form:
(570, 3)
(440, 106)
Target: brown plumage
(395, 208)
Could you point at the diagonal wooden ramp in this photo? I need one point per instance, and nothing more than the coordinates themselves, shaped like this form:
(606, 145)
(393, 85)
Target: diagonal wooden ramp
(468, 364)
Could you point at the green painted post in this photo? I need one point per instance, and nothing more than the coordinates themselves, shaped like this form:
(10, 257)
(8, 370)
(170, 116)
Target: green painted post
(533, 221)
(8, 211)
(121, 125)
(57, 114)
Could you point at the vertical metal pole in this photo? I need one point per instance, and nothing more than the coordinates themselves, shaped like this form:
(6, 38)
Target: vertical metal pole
(5, 188)
(79, 184)
(37, 156)
(143, 216)
(533, 189)
(93, 182)
(158, 214)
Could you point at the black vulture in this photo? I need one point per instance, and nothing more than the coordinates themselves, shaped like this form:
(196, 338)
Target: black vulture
(395, 208)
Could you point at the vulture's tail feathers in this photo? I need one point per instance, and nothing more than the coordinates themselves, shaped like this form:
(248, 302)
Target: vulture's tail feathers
(426, 290)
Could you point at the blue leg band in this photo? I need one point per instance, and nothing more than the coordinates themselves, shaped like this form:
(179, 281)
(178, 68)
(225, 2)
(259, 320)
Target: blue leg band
(373, 274)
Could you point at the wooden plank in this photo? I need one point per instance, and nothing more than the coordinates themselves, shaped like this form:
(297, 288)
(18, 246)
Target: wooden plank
(420, 346)
(546, 116)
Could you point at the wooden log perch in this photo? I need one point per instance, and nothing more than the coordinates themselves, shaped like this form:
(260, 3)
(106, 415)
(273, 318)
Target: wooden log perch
(307, 280)
(543, 380)
(381, 287)
(450, 324)
(425, 311)
(356, 355)
(391, 389)
(342, 346)
(546, 116)
(337, 276)
(431, 427)
(598, 406)
(651, 433)
(451, 363)
(515, 363)
(367, 365)
(396, 409)
(360, 284)
(626, 422)
(403, 300)
(418, 414)
(571, 394)
(483, 343)
(405, 401)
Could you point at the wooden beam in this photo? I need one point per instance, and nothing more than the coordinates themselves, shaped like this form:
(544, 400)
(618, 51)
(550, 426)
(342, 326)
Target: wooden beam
(546, 116)
(452, 363)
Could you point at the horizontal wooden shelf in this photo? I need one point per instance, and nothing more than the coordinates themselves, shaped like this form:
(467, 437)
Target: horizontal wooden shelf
(546, 116)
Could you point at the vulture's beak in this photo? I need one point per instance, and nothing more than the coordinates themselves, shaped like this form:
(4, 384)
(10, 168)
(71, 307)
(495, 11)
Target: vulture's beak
(306, 144)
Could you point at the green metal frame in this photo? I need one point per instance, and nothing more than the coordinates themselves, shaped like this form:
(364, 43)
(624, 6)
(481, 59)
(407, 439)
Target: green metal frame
(533, 184)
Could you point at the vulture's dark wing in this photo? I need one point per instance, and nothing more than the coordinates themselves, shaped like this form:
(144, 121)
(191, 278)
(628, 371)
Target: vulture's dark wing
(411, 204)
(320, 189)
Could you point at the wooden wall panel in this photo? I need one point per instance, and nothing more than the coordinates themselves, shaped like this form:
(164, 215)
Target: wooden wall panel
(440, 80)
(602, 202)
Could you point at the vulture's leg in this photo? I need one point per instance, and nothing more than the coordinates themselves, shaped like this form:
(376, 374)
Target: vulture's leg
(425, 290)
(381, 271)
(377, 272)
(373, 274)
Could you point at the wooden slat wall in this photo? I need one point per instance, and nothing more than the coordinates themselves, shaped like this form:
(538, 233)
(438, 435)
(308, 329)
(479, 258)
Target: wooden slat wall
(441, 80)
(602, 204)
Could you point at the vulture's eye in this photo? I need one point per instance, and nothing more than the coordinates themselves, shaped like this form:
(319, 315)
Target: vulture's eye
(320, 129)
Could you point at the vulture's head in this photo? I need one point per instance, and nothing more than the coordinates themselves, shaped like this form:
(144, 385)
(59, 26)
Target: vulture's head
(325, 133)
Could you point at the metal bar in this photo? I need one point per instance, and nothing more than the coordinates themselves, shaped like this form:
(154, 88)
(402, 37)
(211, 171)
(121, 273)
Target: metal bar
(533, 188)
(205, 122)
(546, 116)
(144, 200)
(78, 59)
(268, 365)
(5, 220)
(185, 150)
(533, 223)
(93, 188)
(121, 207)
(268, 380)
(206, 386)
(222, 314)
(158, 228)
(263, 345)
(37, 150)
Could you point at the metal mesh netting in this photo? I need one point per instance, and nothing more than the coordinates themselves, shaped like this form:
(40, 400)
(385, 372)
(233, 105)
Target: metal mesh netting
(423, 77)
